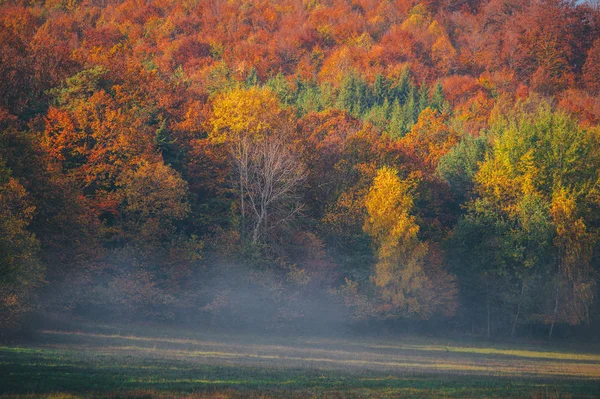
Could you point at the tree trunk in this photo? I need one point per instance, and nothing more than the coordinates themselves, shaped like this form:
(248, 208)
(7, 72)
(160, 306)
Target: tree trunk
(242, 209)
(487, 287)
(240, 154)
(514, 327)
(554, 315)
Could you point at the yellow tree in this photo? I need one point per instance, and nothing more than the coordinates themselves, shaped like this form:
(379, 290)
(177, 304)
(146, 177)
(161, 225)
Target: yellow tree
(20, 269)
(258, 132)
(574, 250)
(239, 113)
(399, 271)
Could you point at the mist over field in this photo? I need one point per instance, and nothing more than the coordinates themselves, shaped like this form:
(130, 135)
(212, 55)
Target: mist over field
(299, 198)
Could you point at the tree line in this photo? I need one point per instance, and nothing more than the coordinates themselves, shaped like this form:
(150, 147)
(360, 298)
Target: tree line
(265, 163)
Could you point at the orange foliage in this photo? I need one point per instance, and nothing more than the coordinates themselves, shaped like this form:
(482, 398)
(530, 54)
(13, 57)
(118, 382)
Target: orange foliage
(430, 138)
(117, 118)
(591, 69)
(584, 107)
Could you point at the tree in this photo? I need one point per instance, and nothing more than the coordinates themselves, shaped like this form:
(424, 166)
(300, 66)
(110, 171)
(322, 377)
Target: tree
(551, 30)
(459, 166)
(399, 272)
(443, 54)
(430, 138)
(438, 99)
(21, 271)
(591, 68)
(352, 96)
(380, 89)
(529, 217)
(257, 131)
(154, 196)
(271, 180)
(574, 287)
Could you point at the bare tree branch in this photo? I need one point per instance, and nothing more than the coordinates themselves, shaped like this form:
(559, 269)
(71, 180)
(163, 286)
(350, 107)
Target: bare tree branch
(270, 175)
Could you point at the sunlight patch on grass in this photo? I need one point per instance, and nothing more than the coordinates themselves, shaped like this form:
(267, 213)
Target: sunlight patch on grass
(488, 360)
(569, 356)
(189, 381)
(135, 338)
(527, 353)
(493, 351)
(580, 370)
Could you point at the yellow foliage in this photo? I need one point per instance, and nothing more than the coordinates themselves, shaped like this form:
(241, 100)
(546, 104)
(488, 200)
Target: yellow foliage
(362, 41)
(506, 176)
(435, 29)
(575, 246)
(388, 204)
(254, 111)
(571, 238)
(496, 183)
(534, 159)
(399, 270)
(418, 17)
(155, 190)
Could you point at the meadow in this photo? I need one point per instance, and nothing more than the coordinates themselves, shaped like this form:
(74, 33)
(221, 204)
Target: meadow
(113, 362)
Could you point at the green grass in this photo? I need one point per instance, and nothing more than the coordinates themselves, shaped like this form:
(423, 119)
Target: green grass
(108, 362)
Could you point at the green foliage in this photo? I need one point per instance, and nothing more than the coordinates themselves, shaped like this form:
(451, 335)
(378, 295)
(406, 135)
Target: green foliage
(221, 79)
(392, 107)
(533, 189)
(438, 100)
(459, 166)
(252, 78)
(81, 86)
(282, 89)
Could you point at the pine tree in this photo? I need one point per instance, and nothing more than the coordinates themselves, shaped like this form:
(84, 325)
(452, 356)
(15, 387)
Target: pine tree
(404, 87)
(410, 111)
(345, 98)
(423, 97)
(396, 127)
(380, 90)
(280, 86)
(252, 78)
(438, 100)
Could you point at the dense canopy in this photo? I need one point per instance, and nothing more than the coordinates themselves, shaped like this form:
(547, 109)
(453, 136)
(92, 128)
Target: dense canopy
(265, 163)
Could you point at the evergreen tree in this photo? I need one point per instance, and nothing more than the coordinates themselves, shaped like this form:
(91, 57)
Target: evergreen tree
(345, 97)
(438, 100)
(380, 90)
(378, 115)
(252, 78)
(280, 86)
(410, 111)
(353, 96)
(396, 126)
(423, 97)
(404, 87)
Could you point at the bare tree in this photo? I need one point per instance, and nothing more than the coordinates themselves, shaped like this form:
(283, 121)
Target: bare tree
(270, 176)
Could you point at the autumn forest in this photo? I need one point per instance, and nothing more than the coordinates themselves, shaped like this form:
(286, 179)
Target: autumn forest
(290, 164)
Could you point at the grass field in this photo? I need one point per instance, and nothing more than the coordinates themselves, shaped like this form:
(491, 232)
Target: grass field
(111, 362)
